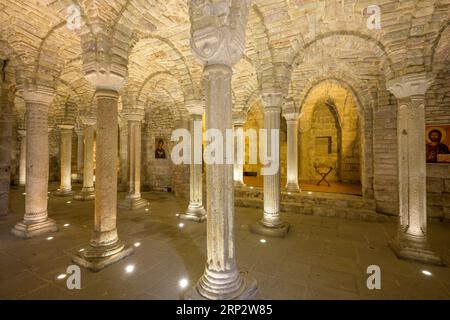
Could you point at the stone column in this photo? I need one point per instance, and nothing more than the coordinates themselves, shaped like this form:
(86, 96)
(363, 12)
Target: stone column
(80, 153)
(292, 152)
(133, 199)
(22, 158)
(88, 191)
(221, 279)
(123, 157)
(65, 189)
(5, 146)
(195, 211)
(411, 240)
(239, 150)
(36, 221)
(105, 247)
(271, 224)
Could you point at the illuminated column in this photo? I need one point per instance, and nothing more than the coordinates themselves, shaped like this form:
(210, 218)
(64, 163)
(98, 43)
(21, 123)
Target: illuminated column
(133, 199)
(80, 153)
(411, 240)
(36, 221)
(195, 210)
(292, 152)
(105, 247)
(65, 150)
(271, 224)
(221, 279)
(239, 149)
(22, 158)
(88, 191)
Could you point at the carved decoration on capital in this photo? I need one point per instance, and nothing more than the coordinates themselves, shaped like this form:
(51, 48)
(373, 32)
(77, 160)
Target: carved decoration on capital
(289, 108)
(409, 85)
(413, 106)
(66, 127)
(272, 99)
(38, 95)
(239, 118)
(88, 120)
(218, 30)
(195, 107)
(133, 114)
(22, 132)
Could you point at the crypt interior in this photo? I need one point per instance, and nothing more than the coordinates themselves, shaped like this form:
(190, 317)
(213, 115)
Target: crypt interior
(92, 91)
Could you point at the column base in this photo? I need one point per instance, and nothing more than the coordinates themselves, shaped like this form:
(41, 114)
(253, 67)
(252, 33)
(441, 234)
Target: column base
(279, 231)
(64, 193)
(85, 195)
(247, 291)
(239, 184)
(194, 213)
(78, 178)
(133, 204)
(26, 230)
(98, 258)
(292, 187)
(413, 248)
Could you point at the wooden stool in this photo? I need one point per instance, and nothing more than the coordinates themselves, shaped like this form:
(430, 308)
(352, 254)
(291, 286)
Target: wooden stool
(323, 174)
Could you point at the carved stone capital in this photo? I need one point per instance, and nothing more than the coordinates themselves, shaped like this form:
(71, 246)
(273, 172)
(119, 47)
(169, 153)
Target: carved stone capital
(22, 132)
(218, 30)
(195, 107)
(88, 120)
(409, 85)
(291, 116)
(38, 94)
(272, 99)
(103, 79)
(289, 108)
(66, 127)
(239, 118)
(134, 114)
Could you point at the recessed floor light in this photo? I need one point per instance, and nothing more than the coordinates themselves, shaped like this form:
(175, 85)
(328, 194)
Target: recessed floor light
(69, 202)
(81, 250)
(181, 225)
(263, 240)
(183, 283)
(137, 244)
(49, 238)
(426, 272)
(309, 192)
(61, 276)
(66, 225)
(129, 268)
(177, 215)
(24, 193)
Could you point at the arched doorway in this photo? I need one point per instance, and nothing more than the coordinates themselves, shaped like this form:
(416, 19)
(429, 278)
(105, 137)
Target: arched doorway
(330, 137)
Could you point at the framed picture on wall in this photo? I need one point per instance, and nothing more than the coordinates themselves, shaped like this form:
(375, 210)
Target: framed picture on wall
(160, 148)
(438, 143)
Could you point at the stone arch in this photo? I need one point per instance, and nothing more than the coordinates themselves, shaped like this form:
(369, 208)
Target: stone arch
(365, 122)
(379, 49)
(188, 84)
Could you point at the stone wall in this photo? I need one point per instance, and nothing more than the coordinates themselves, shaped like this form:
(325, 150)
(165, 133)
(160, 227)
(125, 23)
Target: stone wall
(437, 112)
(157, 173)
(385, 181)
(438, 191)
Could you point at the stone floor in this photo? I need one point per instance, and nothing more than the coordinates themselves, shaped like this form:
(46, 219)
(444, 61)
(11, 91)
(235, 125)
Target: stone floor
(334, 187)
(321, 258)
